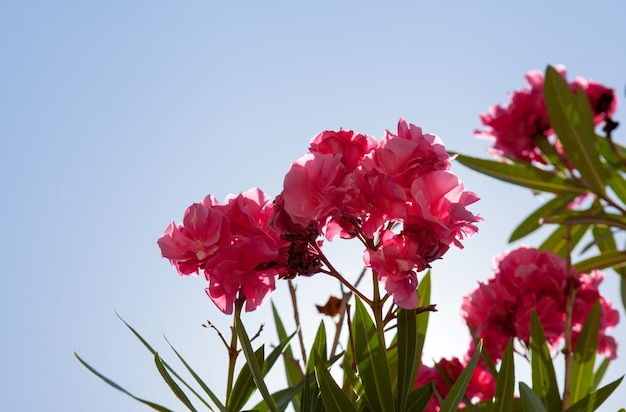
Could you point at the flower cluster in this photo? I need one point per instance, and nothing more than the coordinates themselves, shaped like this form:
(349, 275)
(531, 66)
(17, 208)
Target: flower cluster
(444, 373)
(514, 128)
(528, 279)
(397, 196)
(234, 246)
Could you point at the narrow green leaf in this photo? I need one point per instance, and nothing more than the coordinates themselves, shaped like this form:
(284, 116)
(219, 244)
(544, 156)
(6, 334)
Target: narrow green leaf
(310, 392)
(293, 372)
(523, 175)
(572, 120)
(244, 385)
(530, 400)
(533, 221)
(169, 368)
(584, 218)
(407, 354)
(505, 382)
(558, 243)
(252, 361)
(599, 374)
(423, 291)
(418, 399)
(542, 368)
(585, 355)
(172, 383)
(623, 291)
(612, 259)
(457, 391)
(371, 357)
(332, 396)
(618, 185)
(154, 406)
(593, 401)
(206, 389)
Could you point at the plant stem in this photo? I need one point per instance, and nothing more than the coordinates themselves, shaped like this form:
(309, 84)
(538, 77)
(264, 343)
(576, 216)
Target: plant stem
(233, 352)
(296, 316)
(377, 309)
(569, 309)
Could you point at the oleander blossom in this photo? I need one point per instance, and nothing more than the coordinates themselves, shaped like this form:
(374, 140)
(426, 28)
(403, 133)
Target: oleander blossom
(232, 244)
(482, 385)
(513, 128)
(528, 279)
(397, 196)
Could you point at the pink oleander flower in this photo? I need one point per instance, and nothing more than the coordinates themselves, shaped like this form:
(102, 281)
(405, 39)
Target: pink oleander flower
(439, 198)
(514, 127)
(397, 196)
(314, 189)
(409, 154)
(528, 279)
(350, 145)
(394, 263)
(233, 244)
(482, 385)
(190, 245)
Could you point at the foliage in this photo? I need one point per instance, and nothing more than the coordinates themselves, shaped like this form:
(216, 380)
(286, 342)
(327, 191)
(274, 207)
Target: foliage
(400, 200)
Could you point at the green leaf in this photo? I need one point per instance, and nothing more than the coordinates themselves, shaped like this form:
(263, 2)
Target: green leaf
(154, 406)
(252, 361)
(423, 291)
(599, 374)
(618, 185)
(172, 384)
(533, 221)
(572, 120)
(530, 400)
(244, 384)
(557, 242)
(332, 396)
(542, 369)
(585, 355)
(505, 382)
(293, 371)
(407, 353)
(418, 399)
(172, 371)
(611, 259)
(457, 391)
(371, 357)
(593, 401)
(523, 175)
(310, 392)
(206, 389)
(592, 218)
(623, 291)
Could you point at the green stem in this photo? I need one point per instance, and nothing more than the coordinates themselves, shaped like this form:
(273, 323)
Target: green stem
(233, 352)
(377, 308)
(569, 310)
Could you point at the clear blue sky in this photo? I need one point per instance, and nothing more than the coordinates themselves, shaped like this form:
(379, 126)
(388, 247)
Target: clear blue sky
(115, 116)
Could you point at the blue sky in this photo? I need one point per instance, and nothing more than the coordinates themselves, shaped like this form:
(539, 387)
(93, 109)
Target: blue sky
(115, 116)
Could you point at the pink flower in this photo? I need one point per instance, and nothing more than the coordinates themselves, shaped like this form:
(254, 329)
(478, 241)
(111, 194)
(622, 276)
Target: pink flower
(409, 154)
(190, 245)
(514, 127)
(350, 145)
(241, 269)
(528, 279)
(394, 264)
(313, 189)
(481, 387)
(440, 199)
(232, 241)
